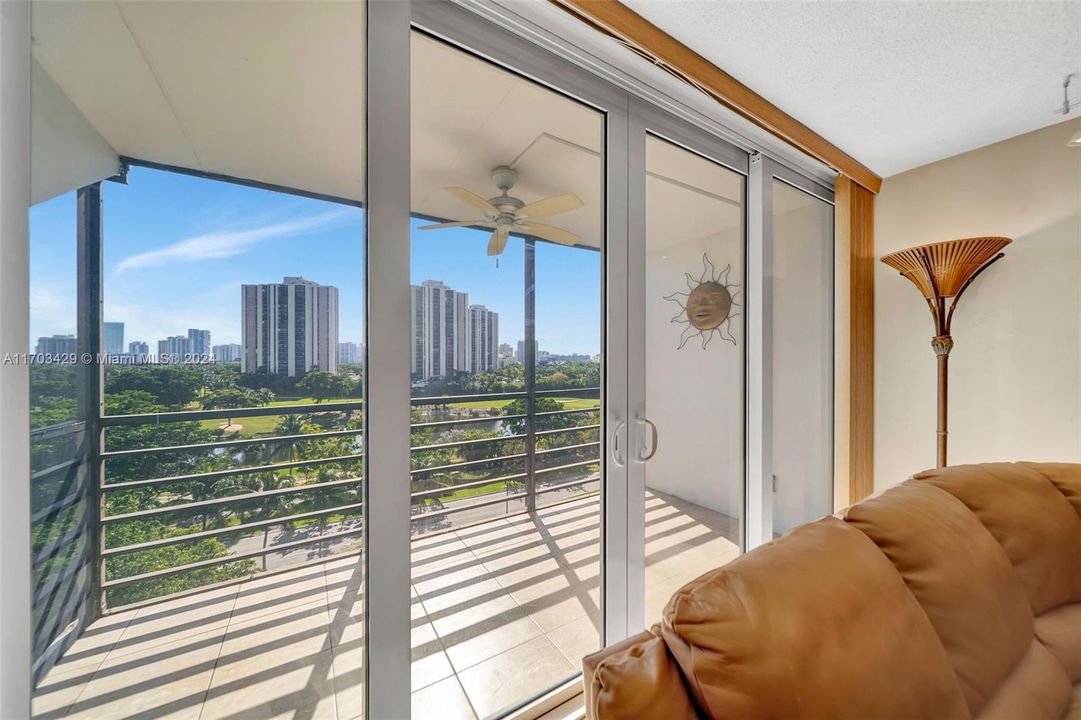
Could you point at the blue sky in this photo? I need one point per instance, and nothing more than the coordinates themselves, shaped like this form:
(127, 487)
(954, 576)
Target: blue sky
(177, 249)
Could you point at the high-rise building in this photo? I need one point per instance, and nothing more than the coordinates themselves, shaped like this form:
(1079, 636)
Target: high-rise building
(519, 355)
(482, 337)
(227, 353)
(289, 328)
(350, 353)
(57, 345)
(200, 342)
(113, 338)
(175, 349)
(138, 348)
(444, 328)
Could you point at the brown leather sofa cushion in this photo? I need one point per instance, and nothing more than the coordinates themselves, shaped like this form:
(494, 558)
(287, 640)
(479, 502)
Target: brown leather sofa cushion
(1060, 631)
(636, 680)
(1037, 689)
(816, 624)
(1031, 519)
(1065, 476)
(960, 576)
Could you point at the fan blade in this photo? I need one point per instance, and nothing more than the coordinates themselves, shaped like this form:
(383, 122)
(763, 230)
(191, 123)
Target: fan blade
(549, 232)
(498, 241)
(473, 199)
(463, 223)
(551, 206)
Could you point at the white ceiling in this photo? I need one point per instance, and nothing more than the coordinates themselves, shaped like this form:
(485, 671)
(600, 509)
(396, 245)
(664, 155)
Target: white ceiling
(894, 84)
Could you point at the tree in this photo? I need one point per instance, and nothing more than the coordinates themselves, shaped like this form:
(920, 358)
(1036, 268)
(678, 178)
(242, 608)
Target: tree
(325, 385)
(171, 385)
(265, 396)
(543, 422)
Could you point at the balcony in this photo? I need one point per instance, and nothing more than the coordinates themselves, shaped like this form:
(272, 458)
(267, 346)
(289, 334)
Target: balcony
(500, 610)
(268, 620)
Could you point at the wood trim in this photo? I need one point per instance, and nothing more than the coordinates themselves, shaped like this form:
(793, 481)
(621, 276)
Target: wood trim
(617, 20)
(855, 229)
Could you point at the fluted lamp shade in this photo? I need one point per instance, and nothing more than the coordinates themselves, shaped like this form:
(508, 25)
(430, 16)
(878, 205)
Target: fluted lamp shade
(945, 270)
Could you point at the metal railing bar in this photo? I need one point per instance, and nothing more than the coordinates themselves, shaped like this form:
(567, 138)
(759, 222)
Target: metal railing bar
(472, 483)
(52, 470)
(569, 412)
(111, 454)
(568, 467)
(49, 551)
(50, 432)
(227, 413)
(42, 592)
(569, 392)
(467, 421)
(59, 505)
(473, 506)
(547, 451)
(202, 564)
(177, 539)
(463, 443)
(567, 429)
(469, 463)
(187, 507)
(560, 486)
(451, 399)
(229, 472)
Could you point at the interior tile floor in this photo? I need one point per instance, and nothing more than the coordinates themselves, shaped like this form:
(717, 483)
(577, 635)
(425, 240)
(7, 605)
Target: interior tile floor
(500, 612)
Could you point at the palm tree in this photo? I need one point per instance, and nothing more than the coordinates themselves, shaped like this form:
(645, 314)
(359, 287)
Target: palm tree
(288, 425)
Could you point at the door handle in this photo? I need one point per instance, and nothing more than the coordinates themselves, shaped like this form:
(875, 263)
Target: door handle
(652, 440)
(617, 450)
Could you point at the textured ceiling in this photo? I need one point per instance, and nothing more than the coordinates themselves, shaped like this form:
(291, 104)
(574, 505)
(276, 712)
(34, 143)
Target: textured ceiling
(895, 84)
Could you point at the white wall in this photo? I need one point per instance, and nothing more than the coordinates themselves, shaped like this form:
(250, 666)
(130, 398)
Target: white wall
(1015, 370)
(695, 396)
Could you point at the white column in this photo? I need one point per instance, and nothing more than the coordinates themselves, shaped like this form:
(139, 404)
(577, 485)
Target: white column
(14, 376)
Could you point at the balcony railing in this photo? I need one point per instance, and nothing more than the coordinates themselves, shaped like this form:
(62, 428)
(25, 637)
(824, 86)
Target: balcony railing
(181, 516)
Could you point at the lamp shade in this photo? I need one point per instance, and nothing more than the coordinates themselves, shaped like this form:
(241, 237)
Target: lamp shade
(941, 269)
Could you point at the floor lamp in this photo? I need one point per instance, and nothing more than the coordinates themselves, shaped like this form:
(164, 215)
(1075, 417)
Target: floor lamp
(940, 271)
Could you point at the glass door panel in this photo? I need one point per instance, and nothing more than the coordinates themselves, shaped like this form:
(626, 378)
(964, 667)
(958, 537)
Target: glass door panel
(691, 435)
(507, 248)
(199, 256)
(802, 366)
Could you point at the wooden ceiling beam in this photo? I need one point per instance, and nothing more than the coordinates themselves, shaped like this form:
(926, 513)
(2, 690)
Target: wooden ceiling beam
(620, 22)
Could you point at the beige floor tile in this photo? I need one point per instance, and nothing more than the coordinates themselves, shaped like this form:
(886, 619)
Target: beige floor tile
(59, 689)
(92, 647)
(274, 593)
(349, 682)
(577, 639)
(163, 625)
(444, 700)
(429, 668)
(170, 684)
(477, 643)
(296, 686)
(257, 644)
(517, 674)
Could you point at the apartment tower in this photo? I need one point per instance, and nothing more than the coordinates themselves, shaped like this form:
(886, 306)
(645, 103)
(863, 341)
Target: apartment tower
(289, 328)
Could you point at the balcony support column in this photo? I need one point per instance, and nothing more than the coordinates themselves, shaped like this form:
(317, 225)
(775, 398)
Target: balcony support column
(530, 359)
(91, 376)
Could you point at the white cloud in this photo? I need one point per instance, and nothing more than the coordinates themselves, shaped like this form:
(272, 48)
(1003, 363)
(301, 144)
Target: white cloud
(226, 243)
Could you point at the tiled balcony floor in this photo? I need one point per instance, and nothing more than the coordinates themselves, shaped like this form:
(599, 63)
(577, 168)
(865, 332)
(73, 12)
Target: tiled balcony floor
(501, 611)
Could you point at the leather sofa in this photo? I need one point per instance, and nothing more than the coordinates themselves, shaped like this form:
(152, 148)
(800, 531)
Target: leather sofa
(956, 594)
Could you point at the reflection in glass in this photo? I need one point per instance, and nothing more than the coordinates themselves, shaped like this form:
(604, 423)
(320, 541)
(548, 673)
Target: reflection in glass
(694, 367)
(802, 328)
(507, 197)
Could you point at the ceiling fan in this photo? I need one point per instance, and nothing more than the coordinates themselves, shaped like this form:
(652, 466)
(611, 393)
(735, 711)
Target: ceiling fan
(506, 213)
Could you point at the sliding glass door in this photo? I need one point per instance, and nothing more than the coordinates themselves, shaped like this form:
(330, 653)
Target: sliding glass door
(687, 344)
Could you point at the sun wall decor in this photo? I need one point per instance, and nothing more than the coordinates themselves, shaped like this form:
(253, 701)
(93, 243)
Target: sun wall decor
(706, 309)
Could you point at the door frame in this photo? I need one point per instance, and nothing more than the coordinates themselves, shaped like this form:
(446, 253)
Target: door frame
(647, 119)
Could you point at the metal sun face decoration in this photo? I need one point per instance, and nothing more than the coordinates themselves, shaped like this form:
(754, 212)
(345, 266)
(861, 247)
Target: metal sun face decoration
(706, 309)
